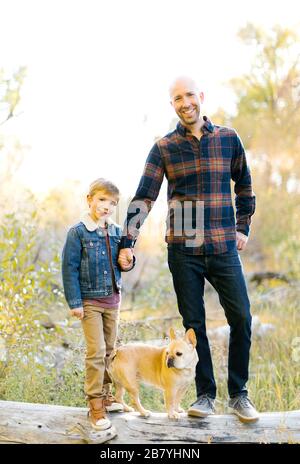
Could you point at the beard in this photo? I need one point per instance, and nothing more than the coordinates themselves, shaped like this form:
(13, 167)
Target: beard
(189, 121)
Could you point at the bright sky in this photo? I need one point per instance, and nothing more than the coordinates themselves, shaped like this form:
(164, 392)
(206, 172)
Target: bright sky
(95, 95)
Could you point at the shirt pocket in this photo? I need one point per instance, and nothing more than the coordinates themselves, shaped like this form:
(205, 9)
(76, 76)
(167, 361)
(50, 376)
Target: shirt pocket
(91, 255)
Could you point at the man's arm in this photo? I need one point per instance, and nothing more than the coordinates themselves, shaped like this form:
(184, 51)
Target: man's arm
(145, 196)
(245, 197)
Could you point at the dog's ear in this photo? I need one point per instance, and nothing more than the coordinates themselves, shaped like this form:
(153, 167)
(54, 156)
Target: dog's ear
(190, 337)
(172, 334)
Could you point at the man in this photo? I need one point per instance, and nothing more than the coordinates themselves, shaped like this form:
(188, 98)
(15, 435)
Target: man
(199, 159)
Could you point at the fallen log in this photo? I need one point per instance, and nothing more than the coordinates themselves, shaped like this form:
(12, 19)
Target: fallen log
(44, 423)
(259, 277)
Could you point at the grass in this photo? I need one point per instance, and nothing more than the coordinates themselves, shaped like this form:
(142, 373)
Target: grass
(274, 383)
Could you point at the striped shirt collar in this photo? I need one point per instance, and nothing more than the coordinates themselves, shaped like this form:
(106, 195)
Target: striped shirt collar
(207, 127)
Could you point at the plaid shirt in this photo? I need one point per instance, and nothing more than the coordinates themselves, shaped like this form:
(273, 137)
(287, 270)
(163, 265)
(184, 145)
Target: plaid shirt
(199, 173)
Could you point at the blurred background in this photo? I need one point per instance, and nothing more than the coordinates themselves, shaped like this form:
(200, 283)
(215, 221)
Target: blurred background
(84, 94)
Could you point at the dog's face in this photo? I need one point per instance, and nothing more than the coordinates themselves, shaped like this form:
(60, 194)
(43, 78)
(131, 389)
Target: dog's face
(181, 352)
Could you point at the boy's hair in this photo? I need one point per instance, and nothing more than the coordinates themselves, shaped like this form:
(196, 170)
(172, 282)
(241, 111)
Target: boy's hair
(103, 185)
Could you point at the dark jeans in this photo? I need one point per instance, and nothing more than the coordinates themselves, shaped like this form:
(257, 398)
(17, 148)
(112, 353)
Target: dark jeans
(224, 272)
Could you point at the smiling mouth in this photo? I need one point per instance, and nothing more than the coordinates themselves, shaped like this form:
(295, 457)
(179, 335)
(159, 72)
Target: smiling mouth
(188, 113)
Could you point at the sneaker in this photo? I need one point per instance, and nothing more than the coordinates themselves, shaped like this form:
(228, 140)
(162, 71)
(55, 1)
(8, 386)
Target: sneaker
(243, 408)
(203, 407)
(97, 414)
(111, 404)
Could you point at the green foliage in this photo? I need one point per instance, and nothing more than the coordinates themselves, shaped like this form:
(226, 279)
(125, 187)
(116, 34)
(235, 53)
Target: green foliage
(268, 97)
(10, 88)
(268, 118)
(27, 285)
(276, 228)
(29, 289)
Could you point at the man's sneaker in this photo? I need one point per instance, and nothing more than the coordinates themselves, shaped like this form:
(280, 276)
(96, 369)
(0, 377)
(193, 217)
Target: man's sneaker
(243, 408)
(111, 404)
(203, 407)
(97, 414)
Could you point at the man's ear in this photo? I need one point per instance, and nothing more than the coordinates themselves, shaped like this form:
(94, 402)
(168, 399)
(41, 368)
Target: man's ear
(172, 334)
(190, 337)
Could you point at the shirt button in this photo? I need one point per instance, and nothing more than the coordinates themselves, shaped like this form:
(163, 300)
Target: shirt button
(91, 244)
(103, 252)
(105, 272)
(106, 293)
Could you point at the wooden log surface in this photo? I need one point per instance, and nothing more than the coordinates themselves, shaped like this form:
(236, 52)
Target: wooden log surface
(43, 423)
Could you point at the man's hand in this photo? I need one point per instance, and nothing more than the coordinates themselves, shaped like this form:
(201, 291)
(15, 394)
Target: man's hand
(125, 259)
(241, 241)
(77, 312)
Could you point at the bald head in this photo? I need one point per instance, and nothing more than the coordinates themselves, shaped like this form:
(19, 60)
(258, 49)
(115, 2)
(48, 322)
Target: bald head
(180, 82)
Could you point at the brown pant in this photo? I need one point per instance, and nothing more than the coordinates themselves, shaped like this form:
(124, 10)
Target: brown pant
(100, 327)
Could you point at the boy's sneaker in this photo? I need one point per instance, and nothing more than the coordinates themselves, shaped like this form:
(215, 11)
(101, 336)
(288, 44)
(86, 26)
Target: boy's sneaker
(243, 408)
(203, 407)
(111, 405)
(97, 414)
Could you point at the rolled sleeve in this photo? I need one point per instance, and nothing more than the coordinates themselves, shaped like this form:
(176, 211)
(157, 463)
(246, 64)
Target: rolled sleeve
(245, 199)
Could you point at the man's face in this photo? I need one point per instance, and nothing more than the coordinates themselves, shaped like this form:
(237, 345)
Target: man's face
(186, 101)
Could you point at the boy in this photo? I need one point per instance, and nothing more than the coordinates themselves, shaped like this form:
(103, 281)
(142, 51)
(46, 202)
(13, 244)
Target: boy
(92, 286)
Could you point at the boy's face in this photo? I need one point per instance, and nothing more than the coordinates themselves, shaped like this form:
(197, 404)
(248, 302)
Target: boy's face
(102, 205)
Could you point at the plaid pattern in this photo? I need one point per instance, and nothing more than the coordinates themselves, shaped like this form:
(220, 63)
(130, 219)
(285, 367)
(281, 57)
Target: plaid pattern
(198, 172)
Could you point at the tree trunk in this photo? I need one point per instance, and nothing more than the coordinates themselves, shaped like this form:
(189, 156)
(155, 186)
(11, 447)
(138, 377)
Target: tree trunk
(43, 423)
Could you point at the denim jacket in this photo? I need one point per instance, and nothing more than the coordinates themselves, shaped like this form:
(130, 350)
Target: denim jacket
(86, 269)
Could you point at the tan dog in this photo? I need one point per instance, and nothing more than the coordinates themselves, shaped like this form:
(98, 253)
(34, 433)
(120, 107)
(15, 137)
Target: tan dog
(170, 368)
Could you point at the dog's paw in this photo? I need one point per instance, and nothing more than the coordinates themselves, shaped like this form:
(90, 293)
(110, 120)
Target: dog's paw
(173, 415)
(146, 413)
(128, 409)
(180, 410)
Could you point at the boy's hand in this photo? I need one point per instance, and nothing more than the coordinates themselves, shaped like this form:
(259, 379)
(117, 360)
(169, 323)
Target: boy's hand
(77, 312)
(125, 259)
